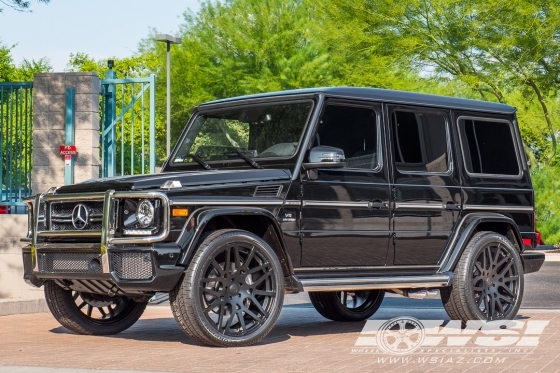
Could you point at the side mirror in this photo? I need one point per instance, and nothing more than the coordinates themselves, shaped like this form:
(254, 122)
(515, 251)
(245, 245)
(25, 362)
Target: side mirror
(324, 157)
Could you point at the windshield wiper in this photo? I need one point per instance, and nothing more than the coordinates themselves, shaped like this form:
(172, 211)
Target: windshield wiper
(247, 159)
(199, 160)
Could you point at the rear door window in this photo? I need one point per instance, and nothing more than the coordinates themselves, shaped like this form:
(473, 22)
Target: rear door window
(420, 141)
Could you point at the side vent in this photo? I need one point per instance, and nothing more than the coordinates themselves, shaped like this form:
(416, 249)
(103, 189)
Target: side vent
(268, 191)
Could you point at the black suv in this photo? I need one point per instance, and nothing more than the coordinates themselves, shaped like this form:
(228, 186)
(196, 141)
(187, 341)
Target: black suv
(346, 193)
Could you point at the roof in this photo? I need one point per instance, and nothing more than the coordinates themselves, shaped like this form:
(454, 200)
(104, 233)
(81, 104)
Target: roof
(385, 95)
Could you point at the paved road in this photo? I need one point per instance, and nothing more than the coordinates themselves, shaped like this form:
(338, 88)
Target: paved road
(302, 341)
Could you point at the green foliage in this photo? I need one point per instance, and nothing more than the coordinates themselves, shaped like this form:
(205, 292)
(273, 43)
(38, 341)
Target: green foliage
(20, 5)
(546, 181)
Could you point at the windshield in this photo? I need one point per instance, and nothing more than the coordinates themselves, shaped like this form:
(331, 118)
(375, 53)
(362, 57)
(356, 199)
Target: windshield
(263, 131)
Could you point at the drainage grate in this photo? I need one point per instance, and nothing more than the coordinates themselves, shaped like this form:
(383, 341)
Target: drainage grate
(132, 266)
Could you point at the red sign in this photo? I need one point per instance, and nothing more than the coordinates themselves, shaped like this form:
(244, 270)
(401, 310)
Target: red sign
(68, 150)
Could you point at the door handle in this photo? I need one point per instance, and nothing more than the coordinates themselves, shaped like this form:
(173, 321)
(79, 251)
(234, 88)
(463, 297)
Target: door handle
(452, 206)
(376, 205)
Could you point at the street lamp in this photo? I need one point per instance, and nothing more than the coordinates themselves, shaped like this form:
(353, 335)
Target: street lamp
(168, 39)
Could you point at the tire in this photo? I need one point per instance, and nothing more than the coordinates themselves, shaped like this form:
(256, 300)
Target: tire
(347, 305)
(92, 314)
(232, 291)
(488, 281)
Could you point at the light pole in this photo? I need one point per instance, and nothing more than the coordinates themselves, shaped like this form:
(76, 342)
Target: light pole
(168, 39)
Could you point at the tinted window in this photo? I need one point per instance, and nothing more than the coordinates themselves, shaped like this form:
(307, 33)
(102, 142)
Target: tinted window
(352, 129)
(259, 131)
(488, 147)
(419, 141)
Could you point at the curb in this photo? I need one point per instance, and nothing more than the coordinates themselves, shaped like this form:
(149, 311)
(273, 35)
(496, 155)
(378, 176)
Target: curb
(21, 306)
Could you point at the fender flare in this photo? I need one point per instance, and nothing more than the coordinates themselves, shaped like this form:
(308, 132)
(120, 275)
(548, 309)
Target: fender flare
(465, 230)
(198, 220)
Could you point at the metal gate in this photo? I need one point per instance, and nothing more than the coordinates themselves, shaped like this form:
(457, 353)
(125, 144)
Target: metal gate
(16, 143)
(128, 136)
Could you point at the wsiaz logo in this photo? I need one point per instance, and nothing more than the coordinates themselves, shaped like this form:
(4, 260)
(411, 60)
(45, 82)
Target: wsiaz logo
(404, 335)
(401, 335)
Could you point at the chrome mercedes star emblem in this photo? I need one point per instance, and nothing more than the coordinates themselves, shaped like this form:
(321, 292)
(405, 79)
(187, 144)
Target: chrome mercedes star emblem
(80, 216)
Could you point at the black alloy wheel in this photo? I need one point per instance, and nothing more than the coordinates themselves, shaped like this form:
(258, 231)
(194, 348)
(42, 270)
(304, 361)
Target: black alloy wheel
(347, 305)
(488, 281)
(92, 314)
(236, 293)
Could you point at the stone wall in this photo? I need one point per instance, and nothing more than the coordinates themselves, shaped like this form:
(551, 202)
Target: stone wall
(12, 228)
(49, 128)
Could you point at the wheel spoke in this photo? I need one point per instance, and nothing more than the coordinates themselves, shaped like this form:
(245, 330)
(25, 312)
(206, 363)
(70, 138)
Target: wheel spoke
(217, 266)
(227, 263)
(259, 268)
(221, 311)
(111, 311)
(266, 293)
(507, 299)
(259, 306)
(212, 292)
(262, 278)
(237, 259)
(89, 310)
(76, 295)
(82, 305)
(506, 268)
(212, 305)
(344, 298)
(228, 323)
(508, 291)
(249, 259)
(102, 312)
(241, 319)
(253, 315)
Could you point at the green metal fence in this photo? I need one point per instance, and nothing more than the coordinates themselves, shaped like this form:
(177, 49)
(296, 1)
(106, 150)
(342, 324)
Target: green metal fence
(128, 136)
(16, 126)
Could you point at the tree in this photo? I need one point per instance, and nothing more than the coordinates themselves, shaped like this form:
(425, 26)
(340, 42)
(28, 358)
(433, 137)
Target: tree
(20, 5)
(495, 48)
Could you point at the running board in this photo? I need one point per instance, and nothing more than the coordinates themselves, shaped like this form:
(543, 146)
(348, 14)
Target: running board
(372, 283)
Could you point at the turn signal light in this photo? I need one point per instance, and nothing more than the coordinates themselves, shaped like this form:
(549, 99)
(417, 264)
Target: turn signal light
(180, 213)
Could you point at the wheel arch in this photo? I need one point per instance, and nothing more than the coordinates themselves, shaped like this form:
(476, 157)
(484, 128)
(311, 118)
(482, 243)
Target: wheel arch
(255, 220)
(472, 224)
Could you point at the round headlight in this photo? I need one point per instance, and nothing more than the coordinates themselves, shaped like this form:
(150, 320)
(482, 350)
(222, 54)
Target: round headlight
(145, 213)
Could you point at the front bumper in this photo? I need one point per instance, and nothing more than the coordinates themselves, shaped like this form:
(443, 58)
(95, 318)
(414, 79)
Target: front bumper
(532, 261)
(132, 269)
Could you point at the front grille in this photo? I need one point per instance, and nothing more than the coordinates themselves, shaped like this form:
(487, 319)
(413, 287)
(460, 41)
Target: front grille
(132, 266)
(62, 219)
(70, 263)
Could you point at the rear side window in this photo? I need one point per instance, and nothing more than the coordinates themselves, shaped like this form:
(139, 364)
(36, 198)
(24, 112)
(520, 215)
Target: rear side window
(419, 141)
(488, 147)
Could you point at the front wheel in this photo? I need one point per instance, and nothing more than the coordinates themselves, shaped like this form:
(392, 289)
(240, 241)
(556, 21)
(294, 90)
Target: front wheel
(347, 305)
(92, 314)
(488, 281)
(232, 291)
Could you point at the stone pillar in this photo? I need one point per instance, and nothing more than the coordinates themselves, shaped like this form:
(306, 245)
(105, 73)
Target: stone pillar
(49, 105)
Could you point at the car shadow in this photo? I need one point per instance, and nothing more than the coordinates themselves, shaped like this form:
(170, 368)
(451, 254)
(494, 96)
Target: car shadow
(300, 321)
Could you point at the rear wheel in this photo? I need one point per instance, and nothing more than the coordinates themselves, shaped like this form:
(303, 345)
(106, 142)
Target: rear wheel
(347, 305)
(92, 314)
(488, 281)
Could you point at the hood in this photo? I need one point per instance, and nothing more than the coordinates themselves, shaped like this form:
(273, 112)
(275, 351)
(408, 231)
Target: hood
(187, 178)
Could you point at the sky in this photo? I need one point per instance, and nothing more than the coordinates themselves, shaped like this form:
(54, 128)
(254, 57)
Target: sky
(100, 28)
